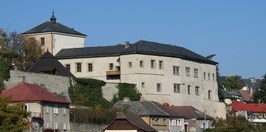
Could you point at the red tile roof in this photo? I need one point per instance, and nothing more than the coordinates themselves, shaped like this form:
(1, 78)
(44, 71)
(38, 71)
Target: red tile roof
(247, 97)
(31, 92)
(251, 107)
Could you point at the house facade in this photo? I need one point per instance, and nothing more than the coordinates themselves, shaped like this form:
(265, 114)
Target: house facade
(48, 112)
(161, 72)
(255, 113)
(54, 36)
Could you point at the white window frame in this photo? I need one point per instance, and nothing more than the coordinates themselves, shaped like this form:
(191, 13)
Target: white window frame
(176, 70)
(177, 88)
(187, 71)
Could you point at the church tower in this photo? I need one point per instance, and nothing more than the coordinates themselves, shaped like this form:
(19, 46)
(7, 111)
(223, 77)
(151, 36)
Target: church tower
(54, 36)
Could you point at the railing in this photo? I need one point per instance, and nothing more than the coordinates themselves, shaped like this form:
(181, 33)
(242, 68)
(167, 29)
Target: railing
(36, 114)
(115, 72)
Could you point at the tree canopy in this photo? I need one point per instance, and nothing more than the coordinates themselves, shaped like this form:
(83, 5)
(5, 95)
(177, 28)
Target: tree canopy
(12, 117)
(233, 82)
(260, 94)
(126, 90)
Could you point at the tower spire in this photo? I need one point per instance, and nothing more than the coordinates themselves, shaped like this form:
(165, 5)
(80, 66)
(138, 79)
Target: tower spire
(53, 18)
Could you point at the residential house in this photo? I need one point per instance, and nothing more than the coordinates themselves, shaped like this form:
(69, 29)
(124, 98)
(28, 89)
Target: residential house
(47, 110)
(154, 115)
(128, 122)
(195, 120)
(255, 113)
(54, 36)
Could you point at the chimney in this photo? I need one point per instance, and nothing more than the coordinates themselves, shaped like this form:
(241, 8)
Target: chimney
(127, 44)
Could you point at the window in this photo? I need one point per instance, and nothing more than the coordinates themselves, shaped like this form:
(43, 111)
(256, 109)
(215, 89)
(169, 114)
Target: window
(47, 124)
(196, 72)
(204, 75)
(47, 109)
(176, 88)
(56, 125)
(68, 67)
(209, 76)
(209, 94)
(159, 87)
(197, 90)
(187, 71)
(143, 84)
(152, 63)
(25, 107)
(213, 77)
(129, 64)
(176, 70)
(160, 64)
(64, 111)
(42, 41)
(64, 126)
(78, 67)
(141, 64)
(90, 67)
(111, 66)
(55, 110)
(188, 89)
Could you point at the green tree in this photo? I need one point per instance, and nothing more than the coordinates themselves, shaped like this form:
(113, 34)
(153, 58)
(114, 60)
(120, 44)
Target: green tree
(12, 117)
(5, 58)
(233, 82)
(233, 124)
(126, 90)
(260, 94)
(88, 92)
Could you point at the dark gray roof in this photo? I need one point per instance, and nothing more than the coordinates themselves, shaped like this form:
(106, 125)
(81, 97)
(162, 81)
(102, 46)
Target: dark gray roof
(53, 26)
(48, 62)
(144, 108)
(140, 47)
(189, 112)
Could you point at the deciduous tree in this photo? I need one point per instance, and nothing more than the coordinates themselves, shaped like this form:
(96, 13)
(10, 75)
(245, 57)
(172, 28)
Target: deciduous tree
(12, 117)
(233, 82)
(260, 94)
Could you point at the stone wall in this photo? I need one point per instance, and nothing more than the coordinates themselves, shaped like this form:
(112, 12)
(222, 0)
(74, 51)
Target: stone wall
(55, 84)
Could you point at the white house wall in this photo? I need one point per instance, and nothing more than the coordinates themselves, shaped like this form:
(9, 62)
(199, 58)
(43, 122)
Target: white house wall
(63, 41)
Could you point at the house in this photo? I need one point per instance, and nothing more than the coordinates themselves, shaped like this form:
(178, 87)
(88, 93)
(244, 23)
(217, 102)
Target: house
(162, 72)
(54, 36)
(154, 115)
(195, 120)
(255, 113)
(49, 64)
(47, 110)
(128, 122)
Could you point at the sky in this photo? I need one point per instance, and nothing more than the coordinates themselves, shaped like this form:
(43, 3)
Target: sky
(234, 30)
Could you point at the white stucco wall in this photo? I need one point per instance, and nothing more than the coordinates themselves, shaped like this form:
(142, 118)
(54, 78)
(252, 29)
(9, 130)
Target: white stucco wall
(151, 76)
(55, 41)
(63, 41)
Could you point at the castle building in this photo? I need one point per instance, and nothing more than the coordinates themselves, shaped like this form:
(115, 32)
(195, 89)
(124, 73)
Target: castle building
(162, 72)
(54, 36)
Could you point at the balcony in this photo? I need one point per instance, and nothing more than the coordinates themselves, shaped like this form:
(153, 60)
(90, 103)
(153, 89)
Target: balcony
(112, 73)
(36, 114)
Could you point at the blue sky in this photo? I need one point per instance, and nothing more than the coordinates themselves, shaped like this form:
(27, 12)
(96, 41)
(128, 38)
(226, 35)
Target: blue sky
(234, 30)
